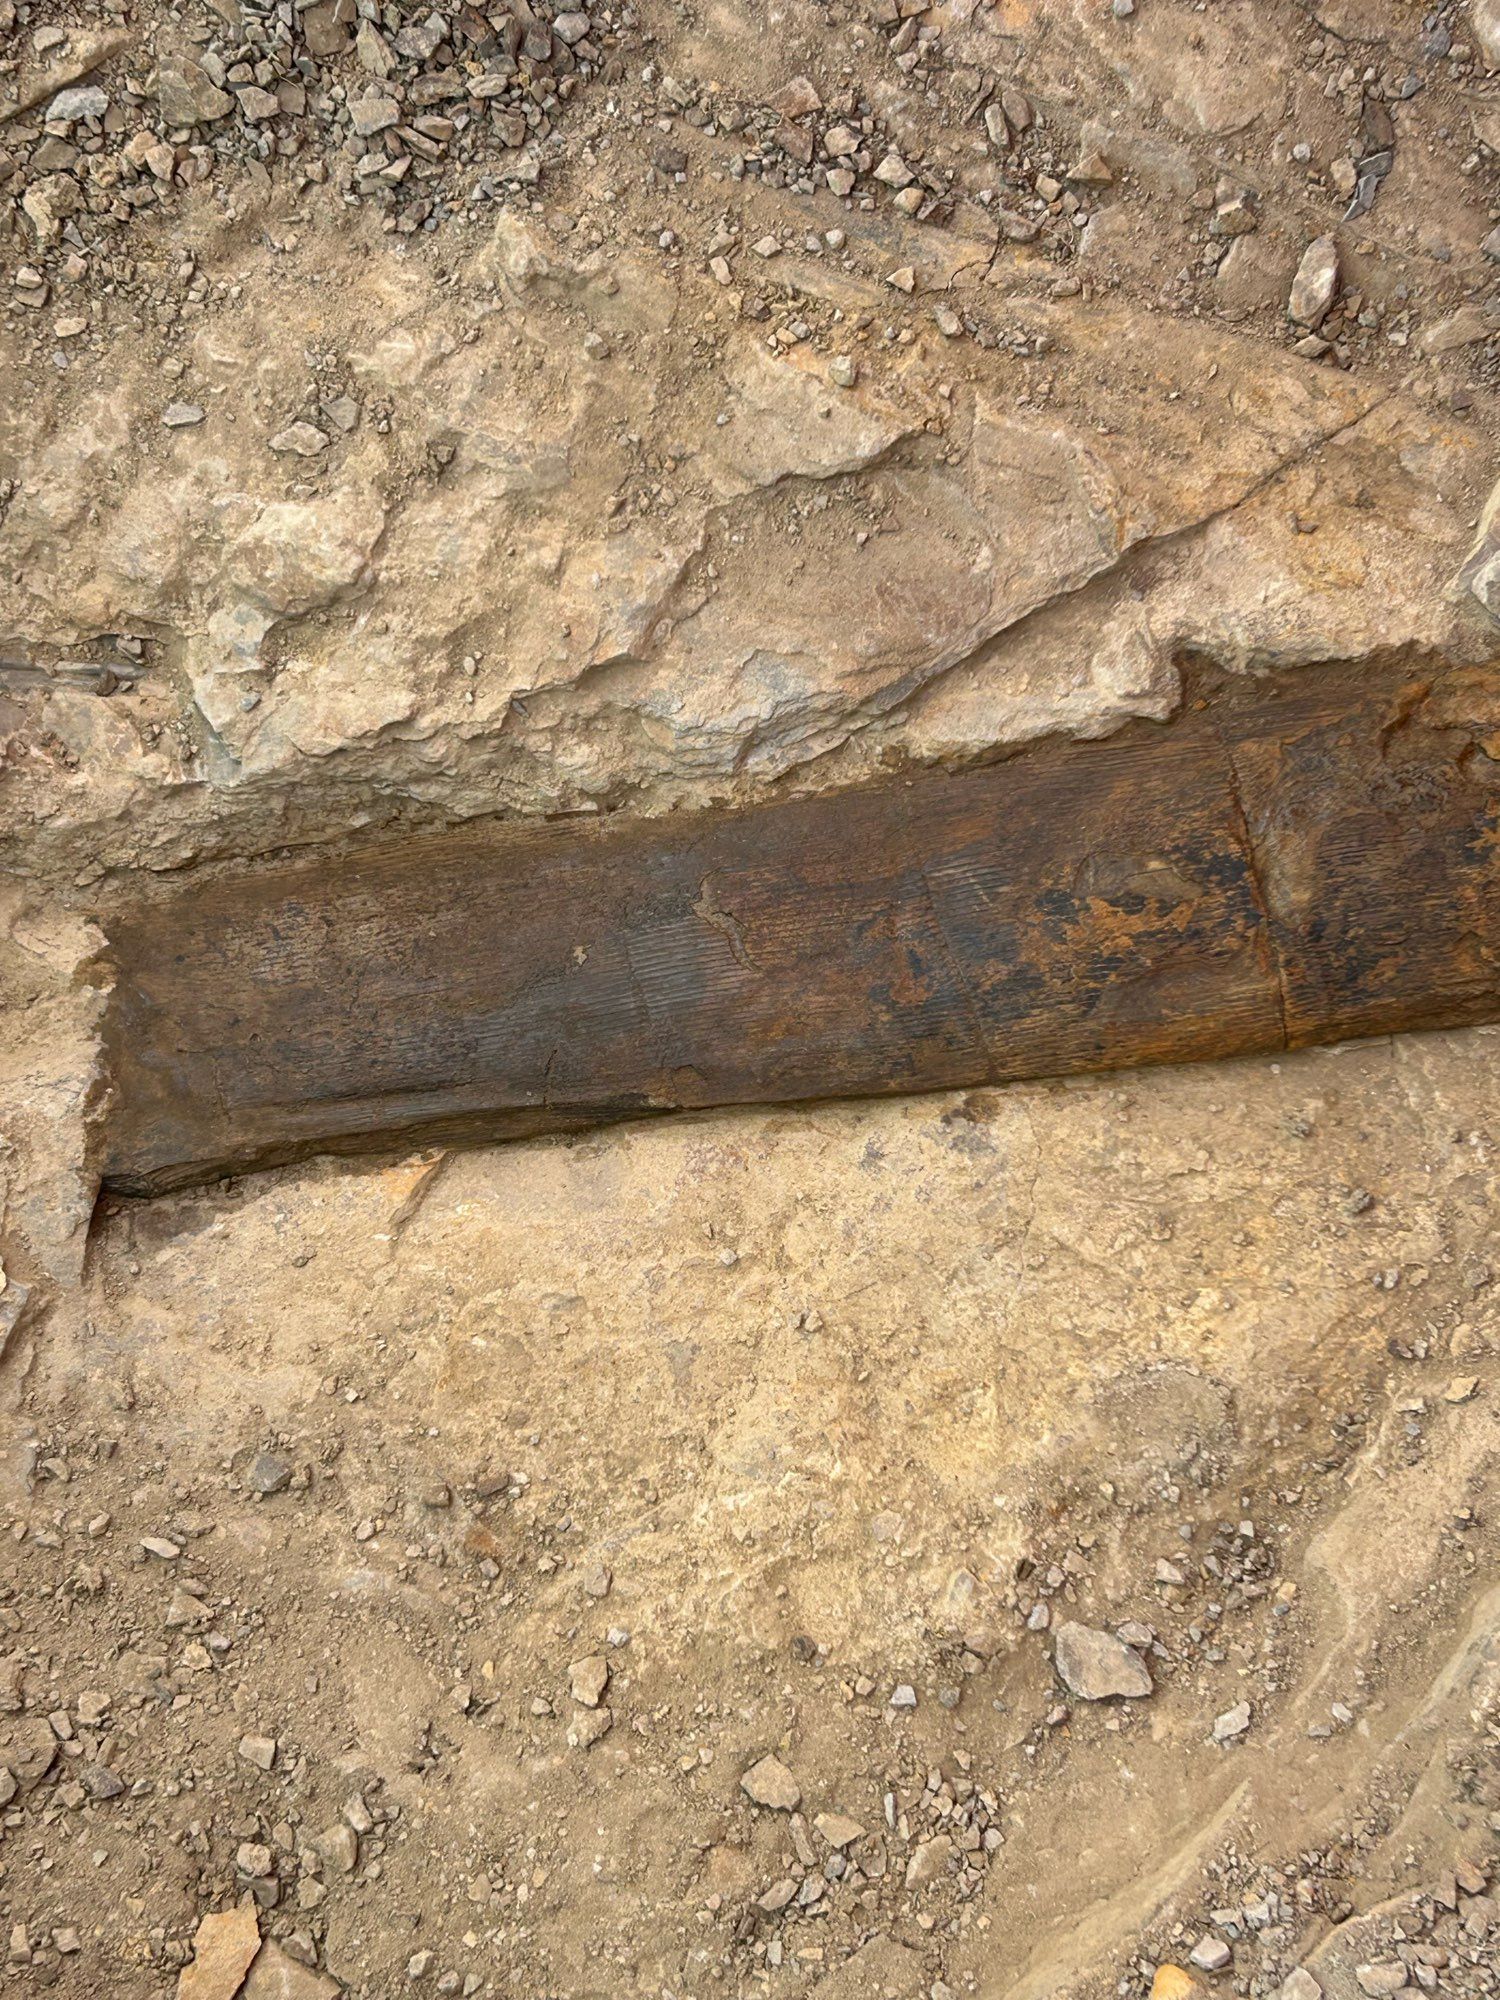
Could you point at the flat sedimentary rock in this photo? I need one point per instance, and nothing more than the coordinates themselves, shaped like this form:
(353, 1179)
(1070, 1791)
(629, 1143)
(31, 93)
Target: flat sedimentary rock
(224, 1945)
(1096, 1665)
(275, 1976)
(770, 1783)
(1299, 863)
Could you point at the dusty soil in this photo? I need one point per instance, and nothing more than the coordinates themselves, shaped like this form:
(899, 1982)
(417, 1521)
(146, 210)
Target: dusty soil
(408, 417)
(771, 1416)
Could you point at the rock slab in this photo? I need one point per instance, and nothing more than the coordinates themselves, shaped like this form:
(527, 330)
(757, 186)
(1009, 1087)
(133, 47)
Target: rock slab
(770, 1783)
(1096, 1666)
(224, 1945)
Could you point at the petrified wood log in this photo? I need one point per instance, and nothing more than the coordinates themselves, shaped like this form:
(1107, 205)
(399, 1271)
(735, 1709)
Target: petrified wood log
(1315, 861)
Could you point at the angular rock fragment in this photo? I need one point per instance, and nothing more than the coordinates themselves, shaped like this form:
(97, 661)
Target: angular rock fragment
(14, 1297)
(1382, 1980)
(374, 114)
(1315, 284)
(586, 1729)
(1232, 1723)
(300, 440)
(27, 1751)
(1465, 327)
(100, 1782)
(1299, 1984)
(326, 29)
(771, 1784)
(187, 94)
(797, 98)
(339, 1847)
(224, 1944)
(269, 1473)
(929, 1862)
(257, 105)
(276, 1975)
(84, 101)
(372, 51)
(1211, 1953)
(48, 203)
(1236, 212)
(1096, 1666)
(587, 1680)
(880, 1968)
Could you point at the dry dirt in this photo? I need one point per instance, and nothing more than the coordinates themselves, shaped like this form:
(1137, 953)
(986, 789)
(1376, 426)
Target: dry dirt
(771, 1415)
(412, 416)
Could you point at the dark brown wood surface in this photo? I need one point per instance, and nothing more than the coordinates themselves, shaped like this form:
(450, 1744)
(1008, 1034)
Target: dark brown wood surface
(1300, 864)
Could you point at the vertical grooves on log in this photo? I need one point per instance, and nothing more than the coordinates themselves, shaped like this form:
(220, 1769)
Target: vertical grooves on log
(1258, 886)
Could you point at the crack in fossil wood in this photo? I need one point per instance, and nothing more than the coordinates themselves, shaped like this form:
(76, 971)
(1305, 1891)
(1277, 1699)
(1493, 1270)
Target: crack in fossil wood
(713, 912)
(1256, 875)
(1257, 882)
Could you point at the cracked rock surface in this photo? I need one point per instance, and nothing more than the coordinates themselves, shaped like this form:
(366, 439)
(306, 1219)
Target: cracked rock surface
(369, 484)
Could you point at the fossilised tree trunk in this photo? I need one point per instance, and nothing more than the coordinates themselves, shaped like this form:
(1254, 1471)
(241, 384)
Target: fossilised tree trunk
(1296, 865)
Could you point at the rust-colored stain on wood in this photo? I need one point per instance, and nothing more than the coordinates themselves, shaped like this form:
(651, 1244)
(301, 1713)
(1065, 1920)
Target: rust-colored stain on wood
(1313, 863)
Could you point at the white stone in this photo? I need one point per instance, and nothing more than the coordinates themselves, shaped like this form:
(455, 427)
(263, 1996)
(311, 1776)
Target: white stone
(1315, 284)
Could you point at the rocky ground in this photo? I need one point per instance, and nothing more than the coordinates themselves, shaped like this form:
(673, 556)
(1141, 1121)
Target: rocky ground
(1083, 1497)
(983, 1545)
(649, 461)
